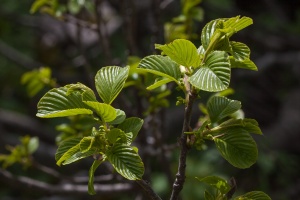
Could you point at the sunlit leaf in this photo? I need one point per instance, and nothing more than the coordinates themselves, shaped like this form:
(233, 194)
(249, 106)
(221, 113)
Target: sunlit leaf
(67, 149)
(240, 50)
(161, 66)
(214, 75)
(254, 195)
(217, 183)
(237, 147)
(182, 52)
(60, 102)
(105, 111)
(244, 64)
(126, 161)
(86, 143)
(110, 81)
(238, 23)
(219, 107)
(208, 31)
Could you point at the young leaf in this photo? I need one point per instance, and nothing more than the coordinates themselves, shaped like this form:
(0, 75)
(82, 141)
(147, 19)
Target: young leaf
(61, 102)
(86, 143)
(219, 107)
(114, 134)
(237, 147)
(121, 116)
(217, 183)
(66, 150)
(161, 66)
(240, 51)
(105, 111)
(126, 161)
(92, 170)
(133, 125)
(214, 75)
(249, 125)
(110, 81)
(181, 51)
(244, 64)
(254, 195)
(208, 31)
(238, 23)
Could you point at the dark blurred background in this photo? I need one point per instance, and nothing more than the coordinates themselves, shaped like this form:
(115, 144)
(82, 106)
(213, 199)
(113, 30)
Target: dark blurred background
(271, 95)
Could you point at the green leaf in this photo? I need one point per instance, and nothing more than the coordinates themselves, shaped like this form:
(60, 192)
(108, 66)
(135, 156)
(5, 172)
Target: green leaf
(33, 145)
(208, 196)
(181, 51)
(110, 81)
(86, 143)
(158, 83)
(105, 111)
(214, 75)
(133, 125)
(238, 23)
(161, 66)
(237, 147)
(217, 183)
(249, 125)
(244, 64)
(121, 116)
(209, 30)
(126, 161)
(219, 107)
(116, 134)
(254, 195)
(66, 149)
(240, 51)
(92, 170)
(62, 102)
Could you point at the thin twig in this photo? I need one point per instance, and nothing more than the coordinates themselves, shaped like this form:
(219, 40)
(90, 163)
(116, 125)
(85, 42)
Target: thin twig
(180, 176)
(147, 188)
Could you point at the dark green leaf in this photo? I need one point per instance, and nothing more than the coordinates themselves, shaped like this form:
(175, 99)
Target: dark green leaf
(237, 147)
(126, 161)
(92, 170)
(110, 81)
(214, 75)
(133, 125)
(182, 52)
(217, 183)
(240, 51)
(219, 107)
(121, 116)
(254, 195)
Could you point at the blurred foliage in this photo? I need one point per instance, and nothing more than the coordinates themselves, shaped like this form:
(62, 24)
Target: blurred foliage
(40, 41)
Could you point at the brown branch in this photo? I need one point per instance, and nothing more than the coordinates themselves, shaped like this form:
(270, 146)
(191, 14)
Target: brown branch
(184, 148)
(64, 188)
(147, 188)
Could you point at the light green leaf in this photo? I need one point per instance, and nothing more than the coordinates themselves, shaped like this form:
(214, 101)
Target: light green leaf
(133, 125)
(254, 195)
(121, 116)
(214, 75)
(110, 81)
(217, 183)
(162, 66)
(182, 52)
(209, 30)
(62, 102)
(238, 23)
(126, 161)
(219, 107)
(66, 150)
(86, 143)
(77, 156)
(244, 64)
(158, 83)
(92, 170)
(237, 147)
(105, 111)
(33, 145)
(240, 51)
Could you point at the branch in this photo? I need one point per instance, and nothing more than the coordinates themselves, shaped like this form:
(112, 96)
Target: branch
(147, 188)
(180, 176)
(64, 188)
